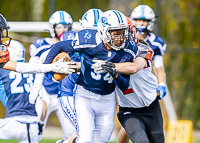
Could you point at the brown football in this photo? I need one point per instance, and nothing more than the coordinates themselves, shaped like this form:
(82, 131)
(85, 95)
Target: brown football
(66, 58)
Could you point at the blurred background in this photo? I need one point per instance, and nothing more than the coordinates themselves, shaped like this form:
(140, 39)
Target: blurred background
(177, 24)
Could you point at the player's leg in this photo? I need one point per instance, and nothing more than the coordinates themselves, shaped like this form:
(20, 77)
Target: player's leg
(50, 109)
(135, 128)
(8, 129)
(66, 125)
(122, 136)
(31, 134)
(154, 124)
(104, 121)
(85, 117)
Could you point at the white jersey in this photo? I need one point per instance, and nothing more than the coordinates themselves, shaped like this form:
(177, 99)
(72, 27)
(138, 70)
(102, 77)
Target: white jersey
(141, 92)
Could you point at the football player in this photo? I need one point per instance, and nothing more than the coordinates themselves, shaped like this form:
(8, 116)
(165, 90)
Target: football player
(21, 119)
(139, 108)
(66, 86)
(5, 63)
(45, 88)
(143, 17)
(60, 22)
(95, 92)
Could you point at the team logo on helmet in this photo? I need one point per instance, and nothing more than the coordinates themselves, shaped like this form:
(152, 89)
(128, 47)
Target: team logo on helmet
(104, 21)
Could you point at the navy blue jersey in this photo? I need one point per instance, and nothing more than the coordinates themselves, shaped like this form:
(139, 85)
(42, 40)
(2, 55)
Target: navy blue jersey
(66, 86)
(69, 35)
(14, 93)
(90, 47)
(156, 43)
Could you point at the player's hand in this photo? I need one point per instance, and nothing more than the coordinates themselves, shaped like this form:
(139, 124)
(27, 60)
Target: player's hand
(64, 67)
(161, 91)
(110, 67)
(97, 66)
(35, 92)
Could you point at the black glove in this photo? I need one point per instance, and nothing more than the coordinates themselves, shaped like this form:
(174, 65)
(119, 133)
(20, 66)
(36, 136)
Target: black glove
(110, 67)
(40, 128)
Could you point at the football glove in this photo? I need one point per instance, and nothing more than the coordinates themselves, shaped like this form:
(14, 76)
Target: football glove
(110, 67)
(97, 66)
(161, 90)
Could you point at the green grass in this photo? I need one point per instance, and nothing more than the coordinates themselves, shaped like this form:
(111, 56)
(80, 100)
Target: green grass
(54, 140)
(43, 141)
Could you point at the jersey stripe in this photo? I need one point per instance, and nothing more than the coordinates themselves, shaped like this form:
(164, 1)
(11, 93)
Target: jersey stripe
(3, 97)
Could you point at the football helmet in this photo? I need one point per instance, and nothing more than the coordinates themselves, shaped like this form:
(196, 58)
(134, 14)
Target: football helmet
(109, 21)
(60, 17)
(90, 18)
(16, 51)
(146, 13)
(4, 31)
(132, 29)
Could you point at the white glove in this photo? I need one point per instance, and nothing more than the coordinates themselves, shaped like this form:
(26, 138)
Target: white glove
(97, 66)
(64, 67)
(35, 92)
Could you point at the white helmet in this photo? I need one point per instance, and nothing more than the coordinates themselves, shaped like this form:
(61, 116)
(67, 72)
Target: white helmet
(112, 20)
(60, 17)
(16, 51)
(144, 12)
(90, 18)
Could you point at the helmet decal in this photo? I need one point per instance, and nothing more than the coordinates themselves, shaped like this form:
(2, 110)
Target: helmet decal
(118, 16)
(62, 19)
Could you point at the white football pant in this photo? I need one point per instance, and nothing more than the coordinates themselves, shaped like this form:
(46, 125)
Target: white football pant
(95, 116)
(66, 126)
(14, 129)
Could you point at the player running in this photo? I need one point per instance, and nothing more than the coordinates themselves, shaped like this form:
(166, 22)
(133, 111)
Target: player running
(66, 86)
(60, 22)
(95, 92)
(21, 118)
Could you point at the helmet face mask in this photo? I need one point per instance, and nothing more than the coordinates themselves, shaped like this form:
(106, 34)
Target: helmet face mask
(60, 19)
(4, 31)
(90, 18)
(146, 13)
(113, 21)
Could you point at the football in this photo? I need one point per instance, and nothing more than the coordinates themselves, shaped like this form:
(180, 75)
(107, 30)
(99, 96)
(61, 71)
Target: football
(65, 58)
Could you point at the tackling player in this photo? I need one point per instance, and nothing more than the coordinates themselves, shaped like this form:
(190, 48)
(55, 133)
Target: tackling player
(21, 118)
(143, 18)
(95, 95)
(5, 63)
(60, 22)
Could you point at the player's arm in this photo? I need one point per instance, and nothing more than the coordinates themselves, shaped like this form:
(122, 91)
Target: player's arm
(159, 67)
(160, 72)
(131, 67)
(143, 59)
(63, 46)
(121, 80)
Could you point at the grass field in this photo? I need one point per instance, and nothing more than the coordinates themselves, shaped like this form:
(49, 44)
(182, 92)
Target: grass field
(43, 141)
(54, 140)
